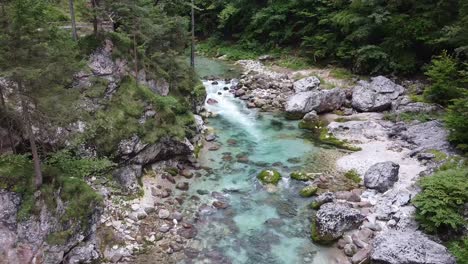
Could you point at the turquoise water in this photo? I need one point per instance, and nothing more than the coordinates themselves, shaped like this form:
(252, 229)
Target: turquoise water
(262, 224)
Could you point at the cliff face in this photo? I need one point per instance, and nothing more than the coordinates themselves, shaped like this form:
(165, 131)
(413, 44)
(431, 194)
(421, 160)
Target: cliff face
(135, 125)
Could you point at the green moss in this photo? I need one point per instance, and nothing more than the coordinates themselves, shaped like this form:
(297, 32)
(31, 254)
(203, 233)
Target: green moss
(315, 205)
(59, 238)
(299, 176)
(172, 171)
(316, 237)
(329, 139)
(439, 155)
(353, 175)
(269, 176)
(308, 191)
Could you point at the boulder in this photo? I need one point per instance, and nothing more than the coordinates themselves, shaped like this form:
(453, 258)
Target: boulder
(9, 205)
(269, 176)
(408, 247)
(310, 121)
(320, 101)
(128, 176)
(376, 95)
(306, 84)
(165, 149)
(381, 176)
(405, 105)
(332, 220)
(298, 105)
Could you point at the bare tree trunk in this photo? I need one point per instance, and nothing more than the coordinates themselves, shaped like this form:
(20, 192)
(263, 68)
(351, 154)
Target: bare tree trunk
(95, 4)
(10, 136)
(73, 21)
(31, 137)
(192, 50)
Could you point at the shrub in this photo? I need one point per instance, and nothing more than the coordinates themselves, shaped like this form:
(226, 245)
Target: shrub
(353, 175)
(441, 203)
(459, 249)
(444, 76)
(455, 120)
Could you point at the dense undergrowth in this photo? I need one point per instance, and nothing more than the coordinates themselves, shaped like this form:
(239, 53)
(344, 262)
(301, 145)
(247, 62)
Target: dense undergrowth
(64, 178)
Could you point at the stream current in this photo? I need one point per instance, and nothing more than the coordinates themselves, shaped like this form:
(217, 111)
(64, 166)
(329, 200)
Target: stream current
(263, 224)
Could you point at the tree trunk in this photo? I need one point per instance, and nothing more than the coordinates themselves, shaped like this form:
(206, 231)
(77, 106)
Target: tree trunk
(31, 137)
(73, 21)
(192, 49)
(10, 136)
(95, 4)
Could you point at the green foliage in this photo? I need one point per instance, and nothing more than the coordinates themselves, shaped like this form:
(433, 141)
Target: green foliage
(63, 172)
(459, 248)
(456, 122)
(59, 238)
(353, 175)
(120, 118)
(441, 203)
(445, 81)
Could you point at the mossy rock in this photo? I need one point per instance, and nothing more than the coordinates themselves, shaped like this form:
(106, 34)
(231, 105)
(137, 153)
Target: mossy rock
(269, 176)
(308, 191)
(315, 205)
(172, 171)
(314, 234)
(299, 176)
(330, 139)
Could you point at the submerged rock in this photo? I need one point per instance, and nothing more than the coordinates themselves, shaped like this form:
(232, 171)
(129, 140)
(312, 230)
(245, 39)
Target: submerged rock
(332, 220)
(308, 191)
(381, 176)
(299, 176)
(269, 176)
(408, 247)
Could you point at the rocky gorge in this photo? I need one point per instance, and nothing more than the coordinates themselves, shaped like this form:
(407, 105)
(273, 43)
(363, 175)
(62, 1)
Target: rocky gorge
(197, 200)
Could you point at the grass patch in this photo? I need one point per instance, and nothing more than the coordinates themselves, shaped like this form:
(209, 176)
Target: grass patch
(59, 238)
(341, 73)
(439, 155)
(409, 117)
(353, 175)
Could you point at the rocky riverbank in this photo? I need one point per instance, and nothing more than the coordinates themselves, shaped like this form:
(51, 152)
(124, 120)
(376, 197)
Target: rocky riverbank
(375, 222)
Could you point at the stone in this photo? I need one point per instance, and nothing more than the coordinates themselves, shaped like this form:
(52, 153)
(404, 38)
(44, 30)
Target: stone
(186, 173)
(163, 213)
(332, 220)
(306, 84)
(177, 216)
(350, 250)
(308, 191)
(165, 149)
(381, 176)
(210, 137)
(408, 247)
(322, 199)
(375, 96)
(164, 228)
(362, 256)
(320, 101)
(188, 231)
(311, 121)
(220, 205)
(128, 176)
(269, 176)
(183, 186)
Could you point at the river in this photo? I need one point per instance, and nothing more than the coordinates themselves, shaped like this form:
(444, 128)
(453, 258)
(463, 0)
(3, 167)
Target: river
(262, 224)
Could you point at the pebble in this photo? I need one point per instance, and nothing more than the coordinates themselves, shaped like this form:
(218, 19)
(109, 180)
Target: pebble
(135, 207)
(164, 228)
(163, 214)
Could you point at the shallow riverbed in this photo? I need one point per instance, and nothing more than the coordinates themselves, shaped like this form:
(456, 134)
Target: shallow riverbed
(263, 224)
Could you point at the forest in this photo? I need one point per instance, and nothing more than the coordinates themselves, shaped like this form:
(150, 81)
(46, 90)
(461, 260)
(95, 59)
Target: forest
(98, 98)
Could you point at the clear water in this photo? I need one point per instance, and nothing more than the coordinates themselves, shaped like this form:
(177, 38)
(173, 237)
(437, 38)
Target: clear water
(261, 225)
(207, 67)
